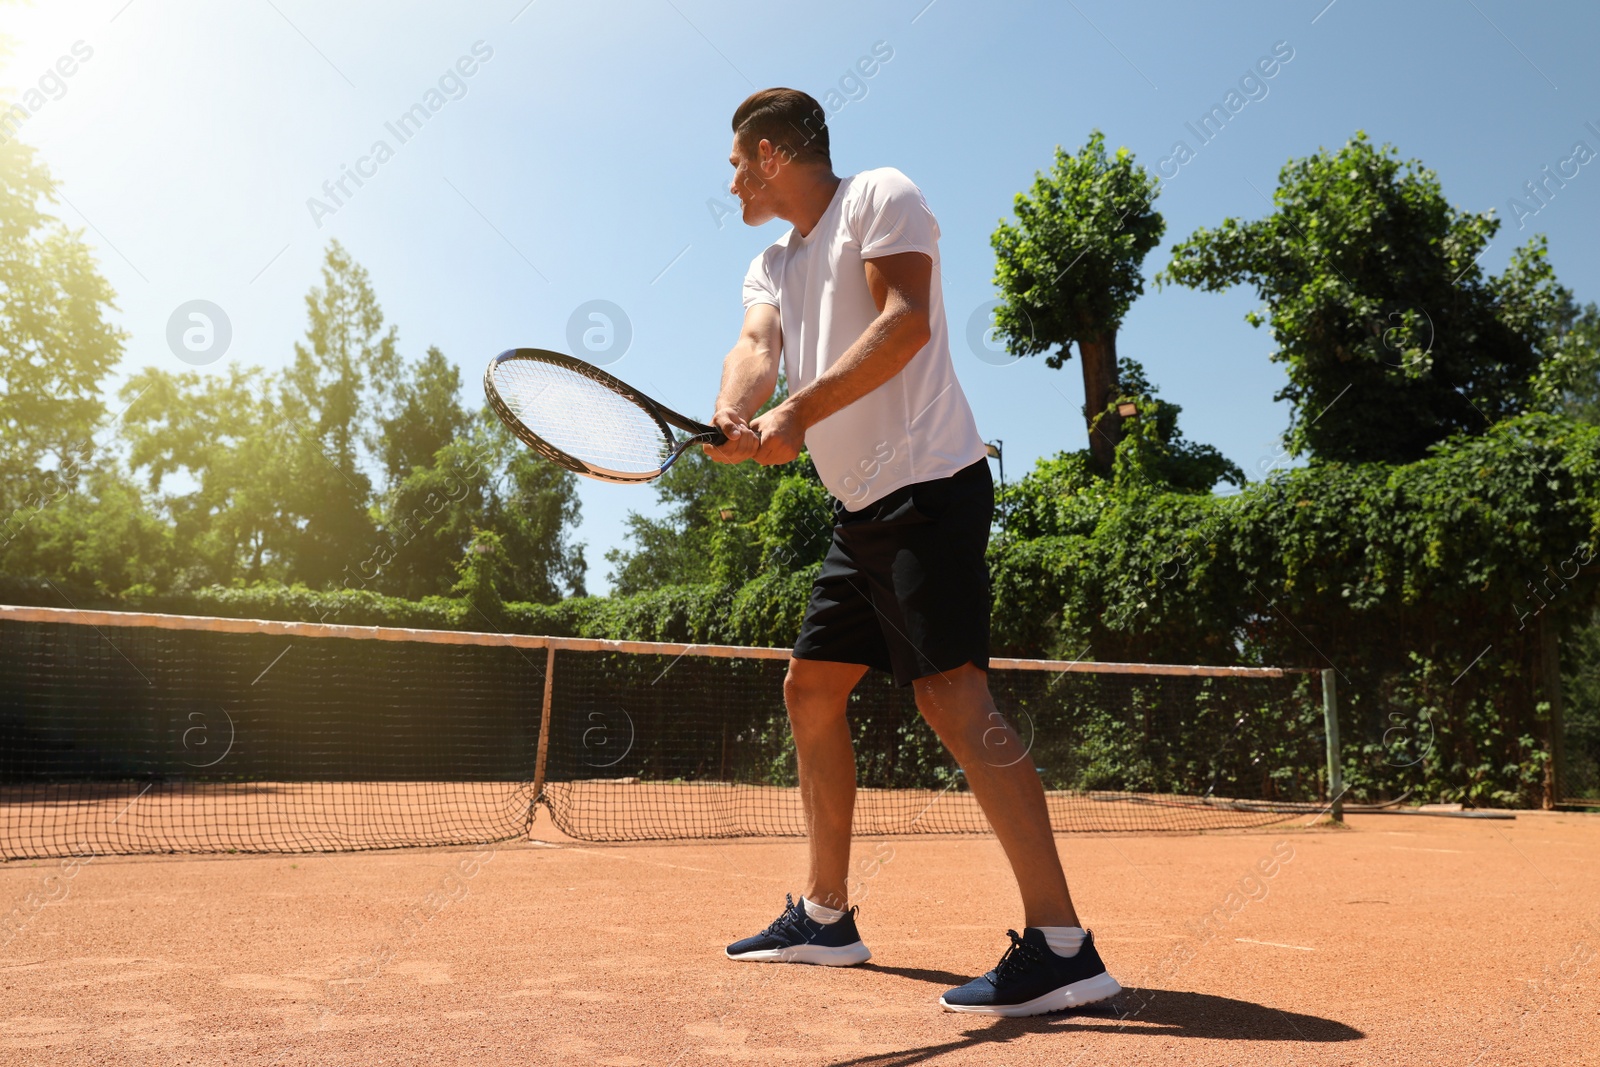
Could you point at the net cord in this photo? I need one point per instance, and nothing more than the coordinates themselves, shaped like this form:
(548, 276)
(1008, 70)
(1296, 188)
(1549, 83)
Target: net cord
(218, 624)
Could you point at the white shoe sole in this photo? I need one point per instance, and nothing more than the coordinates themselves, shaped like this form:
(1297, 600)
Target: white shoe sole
(1088, 991)
(843, 956)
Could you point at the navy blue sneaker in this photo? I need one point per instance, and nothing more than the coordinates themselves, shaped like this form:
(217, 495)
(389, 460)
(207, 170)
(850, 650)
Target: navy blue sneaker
(795, 938)
(1031, 979)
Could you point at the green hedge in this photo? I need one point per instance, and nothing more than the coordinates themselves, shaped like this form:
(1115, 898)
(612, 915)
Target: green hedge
(1428, 586)
(764, 612)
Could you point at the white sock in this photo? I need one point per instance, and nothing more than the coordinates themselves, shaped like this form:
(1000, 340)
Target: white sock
(1063, 940)
(827, 916)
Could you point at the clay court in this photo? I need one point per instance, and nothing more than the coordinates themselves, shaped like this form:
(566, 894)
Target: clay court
(1399, 939)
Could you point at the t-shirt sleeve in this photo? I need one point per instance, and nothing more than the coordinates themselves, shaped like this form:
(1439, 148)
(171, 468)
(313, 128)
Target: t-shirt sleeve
(892, 217)
(758, 286)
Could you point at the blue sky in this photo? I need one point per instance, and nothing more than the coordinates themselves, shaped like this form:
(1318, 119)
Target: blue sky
(585, 159)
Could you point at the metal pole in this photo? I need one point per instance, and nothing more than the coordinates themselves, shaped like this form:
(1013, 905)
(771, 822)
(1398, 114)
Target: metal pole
(544, 723)
(1550, 683)
(1330, 719)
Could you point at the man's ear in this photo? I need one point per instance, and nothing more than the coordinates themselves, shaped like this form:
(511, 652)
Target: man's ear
(771, 158)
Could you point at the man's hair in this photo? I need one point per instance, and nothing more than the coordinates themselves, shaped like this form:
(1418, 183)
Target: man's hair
(792, 121)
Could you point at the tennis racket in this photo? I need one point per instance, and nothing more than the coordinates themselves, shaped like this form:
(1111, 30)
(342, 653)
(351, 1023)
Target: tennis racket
(581, 418)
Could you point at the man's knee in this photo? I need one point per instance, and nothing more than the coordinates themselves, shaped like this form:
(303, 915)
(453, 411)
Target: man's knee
(816, 691)
(951, 700)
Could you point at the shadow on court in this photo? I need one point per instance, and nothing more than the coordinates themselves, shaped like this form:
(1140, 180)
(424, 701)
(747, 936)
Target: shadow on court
(919, 974)
(1160, 1012)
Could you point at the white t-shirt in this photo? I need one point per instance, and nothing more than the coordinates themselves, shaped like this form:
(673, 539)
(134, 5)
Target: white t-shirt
(915, 427)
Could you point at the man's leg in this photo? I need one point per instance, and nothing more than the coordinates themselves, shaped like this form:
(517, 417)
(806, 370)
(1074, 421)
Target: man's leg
(839, 639)
(958, 706)
(816, 693)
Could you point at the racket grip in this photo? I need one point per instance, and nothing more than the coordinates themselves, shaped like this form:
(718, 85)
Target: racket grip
(715, 438)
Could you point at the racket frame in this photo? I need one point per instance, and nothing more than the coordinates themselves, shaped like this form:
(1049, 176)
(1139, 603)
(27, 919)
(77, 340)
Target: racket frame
(665, 417)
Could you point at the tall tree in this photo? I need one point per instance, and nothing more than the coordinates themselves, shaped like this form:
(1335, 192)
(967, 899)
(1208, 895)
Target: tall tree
(427, 415)
(454, 477)
(1392, 335)
(533, 507)
(1069, 268)
(275, 467)
(217, 436)
(714, 525)
(68, 511)
(333, 397)
(56, 343)
(432, 500)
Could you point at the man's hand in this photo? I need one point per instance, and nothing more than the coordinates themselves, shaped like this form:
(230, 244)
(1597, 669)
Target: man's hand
(899, 285)
(749, 374)
(781, 436)
(742, 440)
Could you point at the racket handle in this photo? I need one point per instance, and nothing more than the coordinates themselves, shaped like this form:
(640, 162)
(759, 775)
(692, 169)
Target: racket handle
(715, 438)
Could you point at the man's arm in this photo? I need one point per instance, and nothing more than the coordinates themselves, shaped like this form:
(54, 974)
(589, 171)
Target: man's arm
(749, 375)
(900, 285)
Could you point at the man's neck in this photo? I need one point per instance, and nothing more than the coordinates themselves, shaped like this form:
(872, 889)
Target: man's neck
(811, 200)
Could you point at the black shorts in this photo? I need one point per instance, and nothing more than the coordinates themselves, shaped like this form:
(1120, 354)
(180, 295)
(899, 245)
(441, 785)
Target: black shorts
(905, 585)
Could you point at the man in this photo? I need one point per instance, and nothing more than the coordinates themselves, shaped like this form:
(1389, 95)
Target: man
(850, 299)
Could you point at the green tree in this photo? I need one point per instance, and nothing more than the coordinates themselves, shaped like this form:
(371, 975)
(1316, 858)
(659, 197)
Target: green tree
(719, 524)
(1069, 268)
(533, 506)
(1174, 460)
(435, 484)
(104, 539)
(1580, 668)
(56, 345)
(484, 480)
(709, 528)
(217, 436)
(333, 398)
(427, 415)
(277, 471)
(452, 474)
(1393, 337)
(480, 571)
(1569, 381)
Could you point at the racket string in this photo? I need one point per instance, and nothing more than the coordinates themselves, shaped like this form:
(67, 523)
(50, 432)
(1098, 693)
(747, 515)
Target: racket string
(584, 418)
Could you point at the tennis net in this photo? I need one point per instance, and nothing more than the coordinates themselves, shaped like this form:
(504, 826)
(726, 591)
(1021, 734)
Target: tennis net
(129, 733)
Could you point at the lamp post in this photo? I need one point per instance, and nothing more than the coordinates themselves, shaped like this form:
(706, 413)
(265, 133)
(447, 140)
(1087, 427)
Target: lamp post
(996, 451)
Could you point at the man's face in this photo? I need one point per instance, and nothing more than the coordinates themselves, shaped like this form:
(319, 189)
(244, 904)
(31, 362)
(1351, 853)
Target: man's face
(751, 181)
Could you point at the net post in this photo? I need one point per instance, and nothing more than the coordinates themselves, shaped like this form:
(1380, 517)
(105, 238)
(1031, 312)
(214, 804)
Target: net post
(544, 723)
(1330, 720)
(1550, 683)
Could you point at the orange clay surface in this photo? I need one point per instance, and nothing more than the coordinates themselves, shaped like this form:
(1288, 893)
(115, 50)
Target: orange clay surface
(1401, 939)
